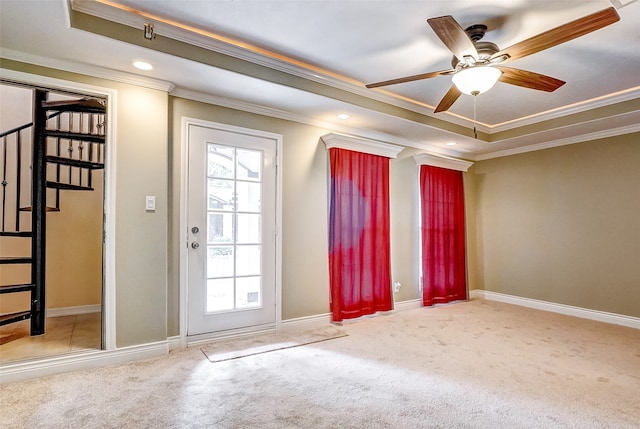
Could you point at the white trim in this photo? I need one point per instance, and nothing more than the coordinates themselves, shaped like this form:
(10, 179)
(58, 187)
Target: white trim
(581, 138)
(358, 144)
(303, 119)
(306, 322)
(584, 313)
(80, 361)
(73, 311)
(410, 304)
(186, 340)
(584, 106)
(442, 162)
(212, 44)
(174, 343)
(200, 339)
(89, 70)
(109, 257)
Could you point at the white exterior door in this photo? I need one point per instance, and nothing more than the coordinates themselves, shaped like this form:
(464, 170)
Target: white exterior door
(232, 228)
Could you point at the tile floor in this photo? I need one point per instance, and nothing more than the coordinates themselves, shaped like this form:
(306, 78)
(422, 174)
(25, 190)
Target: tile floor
(64, 334)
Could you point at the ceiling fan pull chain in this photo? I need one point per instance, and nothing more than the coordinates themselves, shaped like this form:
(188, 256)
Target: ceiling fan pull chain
(475, 99)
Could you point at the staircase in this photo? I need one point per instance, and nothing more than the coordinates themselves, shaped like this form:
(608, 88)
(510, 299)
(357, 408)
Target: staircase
(67, 145)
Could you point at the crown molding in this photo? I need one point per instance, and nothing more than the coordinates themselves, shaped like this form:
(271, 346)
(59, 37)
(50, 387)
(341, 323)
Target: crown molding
(442, 162)
(263, 57)
(583, 106)
(88, 70)
(612, 132)
(296, 117)
(357, 144)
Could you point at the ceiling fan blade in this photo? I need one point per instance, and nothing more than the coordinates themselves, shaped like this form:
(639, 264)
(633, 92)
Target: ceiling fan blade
(454, 37)
(449, 98)
(529, 79)
(411, 78)
(559, 35)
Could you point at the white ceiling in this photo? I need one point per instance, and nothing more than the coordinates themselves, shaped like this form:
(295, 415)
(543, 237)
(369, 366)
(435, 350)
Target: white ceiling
(309, 60)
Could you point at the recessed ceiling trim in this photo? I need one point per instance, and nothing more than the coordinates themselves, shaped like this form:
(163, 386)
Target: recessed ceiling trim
(119, 13)
(582, 106)
(612, 132)
(89, 70)
(302, 119)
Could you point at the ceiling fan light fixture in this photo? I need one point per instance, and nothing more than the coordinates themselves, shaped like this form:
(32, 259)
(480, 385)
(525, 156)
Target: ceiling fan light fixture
(476, 80)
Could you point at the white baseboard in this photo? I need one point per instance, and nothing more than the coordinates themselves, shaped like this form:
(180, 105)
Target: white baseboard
(584, 313)
(407, 305)
(307, 322)
(90, 360)
(73, 311)
(319, 320)
(173, 342)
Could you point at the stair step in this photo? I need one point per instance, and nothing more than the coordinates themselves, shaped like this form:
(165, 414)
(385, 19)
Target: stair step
(14, 317)
(7, 260)
(16, 233)
(67, 186)
(75, 162)
(16, 288)
(85, 105)
(93, 138)
(30, 209)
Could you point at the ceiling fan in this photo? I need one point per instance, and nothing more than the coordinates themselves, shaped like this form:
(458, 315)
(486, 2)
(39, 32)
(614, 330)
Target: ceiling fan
(477, 65)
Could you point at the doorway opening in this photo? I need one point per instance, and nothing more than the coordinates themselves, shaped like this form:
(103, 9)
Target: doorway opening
(51, 240)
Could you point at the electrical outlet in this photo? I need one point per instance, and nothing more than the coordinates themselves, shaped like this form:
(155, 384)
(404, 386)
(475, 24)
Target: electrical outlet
(396, 286)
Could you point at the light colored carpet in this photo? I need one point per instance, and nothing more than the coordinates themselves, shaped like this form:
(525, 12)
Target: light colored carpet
(475, 364)
(242, 347)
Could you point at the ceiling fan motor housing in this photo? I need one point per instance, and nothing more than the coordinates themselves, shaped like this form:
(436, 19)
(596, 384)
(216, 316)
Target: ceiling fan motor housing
(485, 51)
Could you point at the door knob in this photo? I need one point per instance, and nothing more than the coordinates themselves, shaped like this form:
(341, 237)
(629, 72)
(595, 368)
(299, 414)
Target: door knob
(195, 230)
(195, 245)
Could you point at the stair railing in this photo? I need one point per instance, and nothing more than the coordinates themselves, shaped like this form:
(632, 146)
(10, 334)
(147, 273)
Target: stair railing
(78, 124)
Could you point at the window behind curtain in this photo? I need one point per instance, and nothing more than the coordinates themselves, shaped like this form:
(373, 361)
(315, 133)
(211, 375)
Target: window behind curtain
(443, 235)
(359, 261)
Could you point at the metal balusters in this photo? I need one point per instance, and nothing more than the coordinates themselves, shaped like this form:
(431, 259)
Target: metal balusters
(18, 178)
(4, 181)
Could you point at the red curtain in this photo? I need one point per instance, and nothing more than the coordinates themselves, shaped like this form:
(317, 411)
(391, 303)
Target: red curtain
(359, 262)
(443, 235)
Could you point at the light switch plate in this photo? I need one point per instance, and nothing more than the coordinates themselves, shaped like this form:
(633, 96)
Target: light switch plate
(150, 203)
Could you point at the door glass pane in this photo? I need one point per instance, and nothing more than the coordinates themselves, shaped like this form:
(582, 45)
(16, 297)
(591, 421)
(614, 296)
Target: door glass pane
(220, 194)
(249, 231)
(248, 292)
(248, 196)
(249, 164)
(248, 260)
(220, 295)
(219, 261)
(220, 161)
(234, 228)
(220, 228)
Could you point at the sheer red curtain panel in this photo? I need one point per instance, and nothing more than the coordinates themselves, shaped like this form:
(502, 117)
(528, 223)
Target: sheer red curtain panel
(443, 235)
(359, 261)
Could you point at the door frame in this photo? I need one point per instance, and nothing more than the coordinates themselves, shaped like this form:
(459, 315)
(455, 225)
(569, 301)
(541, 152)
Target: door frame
(186, 340)
(109, 221)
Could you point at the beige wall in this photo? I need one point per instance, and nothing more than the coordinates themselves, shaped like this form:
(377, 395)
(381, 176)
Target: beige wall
(563, 225)
(405, 225)
(141, 159)
(305, 277)
(304, 207)
(558, 225)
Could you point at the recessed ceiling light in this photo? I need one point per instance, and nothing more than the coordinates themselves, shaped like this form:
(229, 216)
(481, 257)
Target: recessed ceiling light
(343, 116)
(450, 144)
(142, 65)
